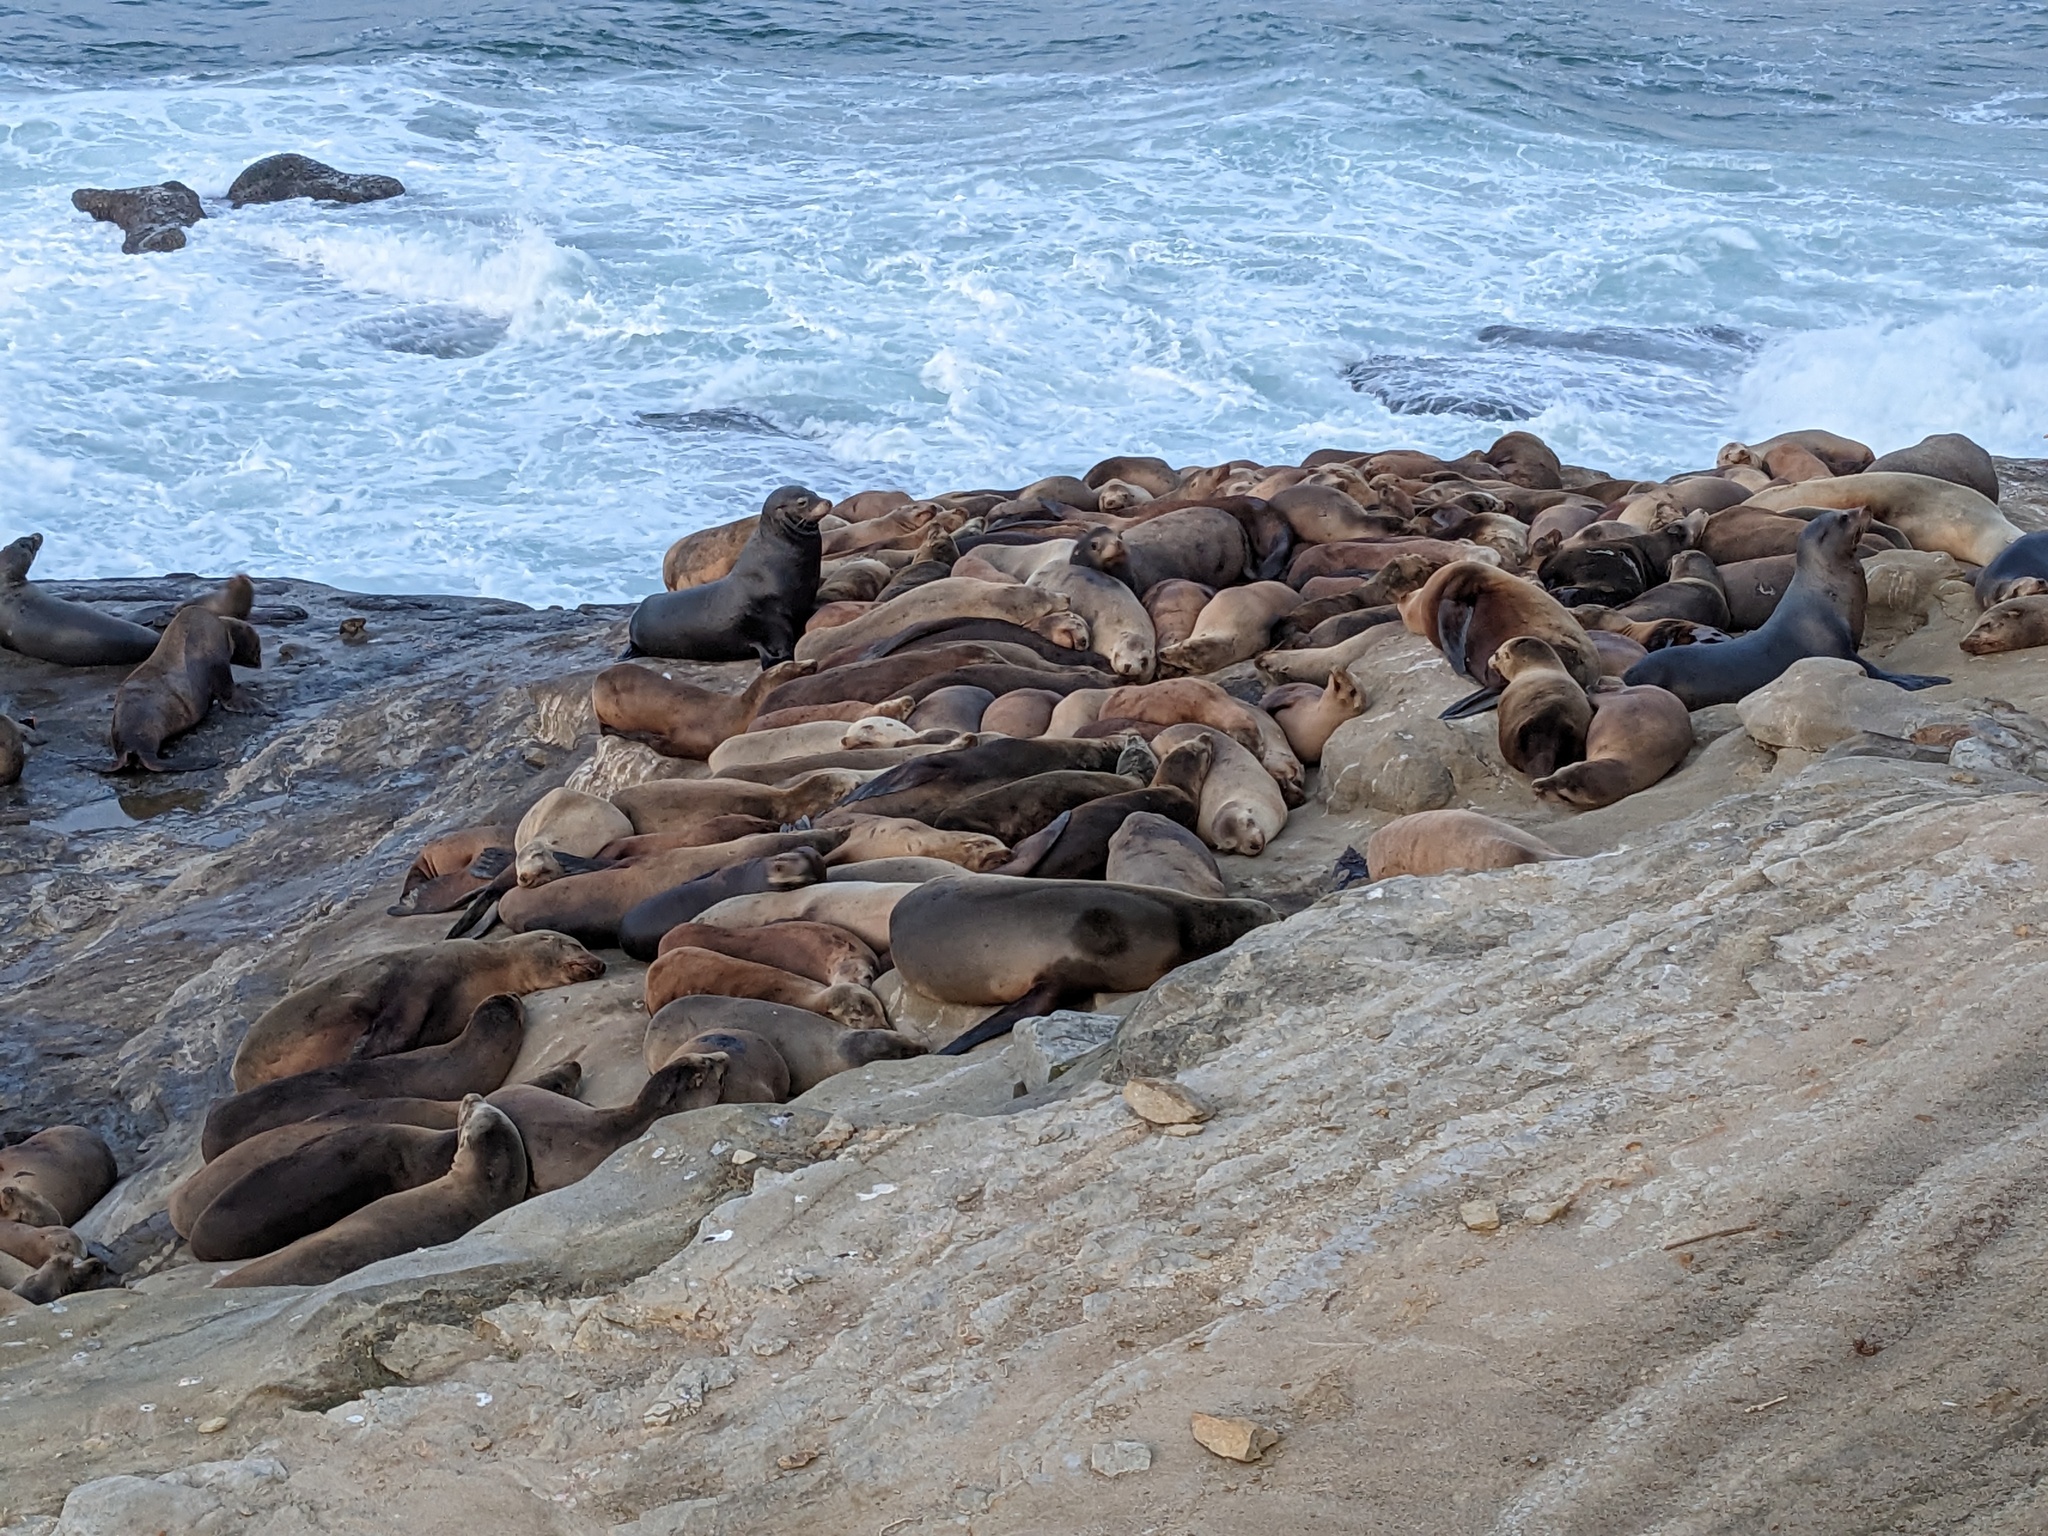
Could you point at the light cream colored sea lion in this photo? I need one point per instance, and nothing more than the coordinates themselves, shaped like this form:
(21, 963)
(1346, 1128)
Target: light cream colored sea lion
(2017, 624)
(1637, 736)
(952, 597)
(845, 712)
(1118, 625)
(1841, 455)
(678, 719)
(563, 832)
(1933, 514)
(1075, 712)
(1309, 714)
(793, 741)
(1233, 626)
(671, 805)
(862, 908)
(1451, 842)
(898, 837)
(1242, 809)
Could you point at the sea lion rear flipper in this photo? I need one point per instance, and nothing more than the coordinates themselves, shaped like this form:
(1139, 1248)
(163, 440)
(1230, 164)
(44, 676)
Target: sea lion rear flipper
(1475, 703)
(1912, 682)
(479, 916)
(1040, 1000)
(490, 863)
(1030, 852)
(1351, 869)
(576, 864)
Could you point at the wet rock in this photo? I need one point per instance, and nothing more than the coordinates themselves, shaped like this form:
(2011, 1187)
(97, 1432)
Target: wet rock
(152, 218)
(279, 178)
(1160, 1102)
(1233, 1439)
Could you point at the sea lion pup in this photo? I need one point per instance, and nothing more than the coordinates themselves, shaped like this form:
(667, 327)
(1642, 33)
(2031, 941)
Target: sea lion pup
(1451, 842)
(488, 1175)
(952, 597)
(566, 1139)
(790, 742)
(1201, 544)
(1022, 712)
(1175, 607)
(1308, 714)
(1933, 514)
(1692, 589)
(1118, 626)
(1014, 811)
(36, 1246)
(1032, 944)
(1842, 455)
(562, 833)
(896, 837)
(2017, 624)
(2020, 570)
(755, 610)
(283, 1183)
(687, 971)
(176, 688)
(1233, 626)
(755, 1072)
(641, 927)
(591, 908)
(423, 995)
(1154, 476)
(861, 907)
(1811, 620)
(1150, 849)
(1241, 808)
(67, 1167)
(1176, 700)
(440, 878)
(1638, 735)
(1544, 713)
(700, 558)
(676, 718)
(832, 957)
(674, 805)
(58, 1277)
(1468, 610)
(13, 751)
(924, 787)
(1944, 456)
(475, 1061)
(811, 1046)
(32, 623)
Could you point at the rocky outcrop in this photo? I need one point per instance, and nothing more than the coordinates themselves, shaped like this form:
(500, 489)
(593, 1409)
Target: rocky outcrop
(280, 178)
(152, 218)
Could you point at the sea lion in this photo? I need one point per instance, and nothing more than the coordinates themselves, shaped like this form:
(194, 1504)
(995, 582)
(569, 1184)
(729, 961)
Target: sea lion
(952, 597)
(1233, 626)
(475, 1061)
(862, 506)
(153, 219)
(1175, 607)
(642, 926)
(67, 1167)
(1813, 619)
(1747, 533)
(32, 623)
(1467, 610)
(1937, 515)
(1308, 714)
(1118, 626)
(440, 879)
(176, 688)
(670, 805)
(1022, 712)
(1076, 845)
(2019, 570)
(811, 1046)
(593, 907)
(957, 710)
(894, 837)
(687, 971)
(1348, 625)
(13, 751)
(1842, 455)
(58, 1277)
(566, 1139)
(1369, 557)
(855, 580)
(36, 1246)
(1150, 849)
(1755, 587)
(1241, 809)
(562, 833)
(1321, 514)
(1637, 736)
(423, 995)
(1692, 589)
(904, 869)
(1033, 944)
(281, 1184)
(1002, 679)
(488, 1175)
(832, 957)
(1175, 700)
(1020, 562)
(754, 1073)
(676, 718)
(1944, 456)
(790, 742)
(886, 677)
(1451, 842)
(1060, 638)
(719, 829)
(27, 1207)
(846, 713)
(933, 560)
(697, 559)
(1154, 476)
(1616, 652)
(2017, 624)
(1200, 544)
(1544, 713)
(1013, 811)
(1524, 459)
(924, 787)
(861, 907)
(758, 608)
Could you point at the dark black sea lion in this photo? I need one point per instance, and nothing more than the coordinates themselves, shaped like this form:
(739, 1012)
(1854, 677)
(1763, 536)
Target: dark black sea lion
(642, 927)
(50, 629)
(2024, 560)
(756, 610)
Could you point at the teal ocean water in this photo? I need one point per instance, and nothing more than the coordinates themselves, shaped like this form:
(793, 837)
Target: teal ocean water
(657, 258)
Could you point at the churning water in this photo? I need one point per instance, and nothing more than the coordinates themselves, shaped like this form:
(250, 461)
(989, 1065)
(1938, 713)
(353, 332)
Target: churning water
(657, 257)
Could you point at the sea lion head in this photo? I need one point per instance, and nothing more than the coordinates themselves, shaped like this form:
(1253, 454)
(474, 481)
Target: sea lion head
(488, 1143)
(1343, 691)
(1114, 496)
(1407, 573)
(17, 557)
(795, 869)
(1064, 629)
(1238, 831)
(687, 1080)
(1693, 565)
(560, 955)
(2016, 624)
(1833, 536)
(1525, 653)
(1102, 549)
(793, 504)
(27, 1207)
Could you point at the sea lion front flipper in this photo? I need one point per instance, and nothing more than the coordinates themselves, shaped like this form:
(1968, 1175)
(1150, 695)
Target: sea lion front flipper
(1475, 703)
(479, 916)
(1912, 682)
(1030, 852)
(490, 863)
(1040, 1000)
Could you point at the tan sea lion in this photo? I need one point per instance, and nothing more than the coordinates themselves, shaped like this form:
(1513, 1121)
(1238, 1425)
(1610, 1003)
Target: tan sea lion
(27, 1207)
(1467, 610)
(1637, 736)
(488, 1175)
(58, 1277)
(1451, 842)
(1241, 808)
(668, 805)
(1175, 607)
(439, 879)
(831, 616)
(1151, 849)
(678, 719)
(719, 829)
(1526, 460)
(1367, 558)
(687, 971)
(953, 597)
(1175, 700)
(188, 673)
(562, 833)
(566, 1139)
(1933, 514)
(1022, 712)
(1118, 625)
(1233, 626)
(36, 1246)
(2017, 624)
(1020, 562)
(1842, 455)
(66, 1167)
(861, 907)
(1544, 713)
(832, 957)
(856, 580)
(812, 1047)
(1616, 652)
(891, 837)
(1154, 476)
(864, 505)
(402, 1000)
(697, 559)
(1308, 714)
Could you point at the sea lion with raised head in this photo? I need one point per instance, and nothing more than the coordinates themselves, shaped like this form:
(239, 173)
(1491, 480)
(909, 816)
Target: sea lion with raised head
(1307, 715)
(1468, 610)
(1451, 842)
(565, 1139)
(755, 610)
(643, 925)
(679, 719)
(1544, 712)
(811, 1046)
(67, 1167)
(1637, 736)
(488, 1175)
(32, 623)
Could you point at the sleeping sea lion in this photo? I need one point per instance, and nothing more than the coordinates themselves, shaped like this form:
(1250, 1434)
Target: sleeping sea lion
(683, 970)
(1240, 808)
(832, 957)
(440, 878)
(1933, 514)
(1118, 626)
(641, 928)
(33, 623)
(1150, 849)
(1944, 456)
(1451, 842)
(1200, 544)
(811, 1046)
(861, 907)
(697, 559)
(1013, 811)
(896, 837)
(2019, 570)
(957, 710)
(1175, 607)
(283, 1183)
(1235, 625)
(679, 719)
(1022, 712)
(566, 1139)
(670, 805)
(952, 597)
(755, 1072)
(924, 787)
(66, 1167)
(562, 833)
(2017, 624)
(1637, 736)
(758, 608)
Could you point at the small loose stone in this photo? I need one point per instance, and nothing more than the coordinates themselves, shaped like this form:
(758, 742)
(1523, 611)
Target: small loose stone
(1180, 1130)
(743, 1157)
(212, 1426)
(1160, 1102)
(1117, 1458)
(1233, 1439)
(1545, 1212)
(796, 1459)
(1480, 1215)
(480, 1443)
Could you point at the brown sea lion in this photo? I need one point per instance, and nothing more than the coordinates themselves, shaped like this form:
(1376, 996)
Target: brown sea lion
(27, 1207)
(886, 677)
(1749, 533)
(566, 1139)
(811, 1046)
(67, 1167)
(1013, 811)
(1933, 514)
(1467, 610)
(1692, 589)
(1022, 712)
(2017, 624)
(13, 751)
(894, 837)
(1032, 944)
(1617, 652)
(671, 805)
(832, 957)
(861, 506)
(1175, 607)
(953, 597)
(475, 1061)
(697, 559)
(440, 879)
(755, 1072)
(1175, 700)
(1150, 849)
(641, 927)
(957, 710)
(2021, 570)
(1200, 544)
(1544, 713)
(402, 1000)
(1322, 514)
(1152, 475)
(1235, 625)
(678, 719)
(1241, 809)
(1059, 638)
(856, 580)
(847, 712)
(283, 1183)
(861, 907)
(1308, 714)
(562, 833)
(687, 971)
(1526, 460)
(1754, 588)
(1637, 736)
(488, 1175)
(32, 623)
(36, 1246)
(1842, 455)
(58, 1277)
(177, 687)
(1075, 846)
(1368, 558)
(1451, 842)
(719, 829)
(926, 786)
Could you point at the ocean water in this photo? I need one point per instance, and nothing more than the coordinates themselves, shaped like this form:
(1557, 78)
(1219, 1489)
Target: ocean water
(658, 257)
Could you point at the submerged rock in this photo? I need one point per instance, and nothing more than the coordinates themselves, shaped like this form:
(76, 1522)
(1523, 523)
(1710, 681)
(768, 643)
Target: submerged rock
(153, 218)
(280, 178)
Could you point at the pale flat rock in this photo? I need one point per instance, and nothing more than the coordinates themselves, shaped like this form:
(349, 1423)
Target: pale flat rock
(1048, 1047)
(1232, 1439)
(616, 763)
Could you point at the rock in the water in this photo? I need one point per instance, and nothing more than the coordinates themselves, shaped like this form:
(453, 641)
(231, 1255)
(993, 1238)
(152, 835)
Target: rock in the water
(1234, 1439)
(153, 218)
(1116, 1458)
(279, 178)
(1159, 1102)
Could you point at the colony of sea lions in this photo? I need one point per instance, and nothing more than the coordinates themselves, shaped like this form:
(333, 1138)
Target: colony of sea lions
(994, 748)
